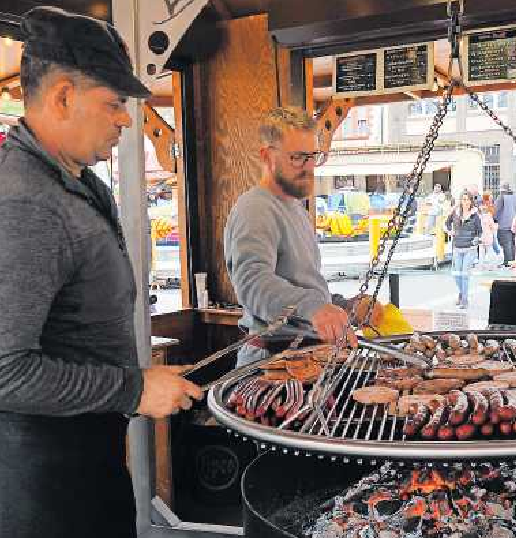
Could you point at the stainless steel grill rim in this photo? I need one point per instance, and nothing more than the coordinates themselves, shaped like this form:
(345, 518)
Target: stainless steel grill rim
(318, 435)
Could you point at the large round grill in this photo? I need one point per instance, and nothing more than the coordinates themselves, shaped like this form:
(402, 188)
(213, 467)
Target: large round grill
(348, 428)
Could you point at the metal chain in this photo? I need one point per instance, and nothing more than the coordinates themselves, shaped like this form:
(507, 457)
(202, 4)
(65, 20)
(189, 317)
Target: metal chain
(401, 213)
(475, 97)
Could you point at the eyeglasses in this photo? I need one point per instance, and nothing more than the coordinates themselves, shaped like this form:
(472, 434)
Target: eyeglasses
(299, 159)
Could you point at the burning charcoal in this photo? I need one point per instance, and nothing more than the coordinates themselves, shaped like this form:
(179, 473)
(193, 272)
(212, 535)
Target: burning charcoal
(410, 525)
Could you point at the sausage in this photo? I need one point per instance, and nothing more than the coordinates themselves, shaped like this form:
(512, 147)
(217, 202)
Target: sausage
(299, 399)
(268, 399)
(508, 410)
(495, 399)
(417, 343)
(252, 400)
(458, 401)
(480, 348)
(506, 428)
(428, 341)
(440, 353)
(446, 432)
(472, 340)
(454, 341)
(437, 419)
(465, 431)
(479, 407)
(487, 429)
(417, 419)
(491, 347)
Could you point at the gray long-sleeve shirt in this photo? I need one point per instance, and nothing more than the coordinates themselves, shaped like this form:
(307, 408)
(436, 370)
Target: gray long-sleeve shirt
(272, 258)
(67, 343)
(505, 210)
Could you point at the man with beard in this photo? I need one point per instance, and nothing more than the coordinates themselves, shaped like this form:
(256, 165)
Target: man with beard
(272, 256)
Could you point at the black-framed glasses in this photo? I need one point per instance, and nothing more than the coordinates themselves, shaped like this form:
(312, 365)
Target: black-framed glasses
(298, 159)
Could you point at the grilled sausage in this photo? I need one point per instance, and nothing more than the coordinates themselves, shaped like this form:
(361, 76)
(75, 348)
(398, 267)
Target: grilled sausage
(253, 399)
(506, 428)
(495, 399)
(428, 341)
(269, 398)
(236, 391)
(508, 410)
(487, 429)
(437, 419)
(446, 432)
(458, 401)
(454, 341)
(472, 340)
(491, 347)
(465, 431)
(479, 407)
(416, 420)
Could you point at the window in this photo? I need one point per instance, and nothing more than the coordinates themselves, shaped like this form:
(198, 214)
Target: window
(428, 107)
(492, 99)
(343, 182)
(492, 178)
(362, 127)
(503, 99)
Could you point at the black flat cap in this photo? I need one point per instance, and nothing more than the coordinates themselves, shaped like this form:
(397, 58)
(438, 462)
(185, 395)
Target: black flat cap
(91, 46)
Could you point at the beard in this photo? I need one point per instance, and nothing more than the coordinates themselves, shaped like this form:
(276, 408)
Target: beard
(296, 187)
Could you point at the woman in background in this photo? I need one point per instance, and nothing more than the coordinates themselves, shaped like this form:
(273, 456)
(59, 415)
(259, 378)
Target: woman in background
(488, 201)
(489, 228)
(465, 227)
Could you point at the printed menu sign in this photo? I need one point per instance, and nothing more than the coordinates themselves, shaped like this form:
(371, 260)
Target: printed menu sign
(356, 73)
(491, 55)
(406, 67)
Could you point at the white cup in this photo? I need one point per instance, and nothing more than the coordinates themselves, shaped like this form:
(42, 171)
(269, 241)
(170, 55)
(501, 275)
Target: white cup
(200, 288)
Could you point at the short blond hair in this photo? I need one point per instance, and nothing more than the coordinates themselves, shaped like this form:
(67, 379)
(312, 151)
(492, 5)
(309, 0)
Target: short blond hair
(279, 119)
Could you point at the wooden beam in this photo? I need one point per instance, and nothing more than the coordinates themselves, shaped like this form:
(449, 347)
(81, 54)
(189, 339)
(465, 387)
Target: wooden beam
(162, 137)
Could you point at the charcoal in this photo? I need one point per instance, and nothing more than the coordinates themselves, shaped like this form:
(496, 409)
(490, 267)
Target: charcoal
(410, 525)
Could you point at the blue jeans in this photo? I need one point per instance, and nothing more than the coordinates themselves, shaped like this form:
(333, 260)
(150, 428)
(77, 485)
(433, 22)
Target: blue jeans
(463, 260)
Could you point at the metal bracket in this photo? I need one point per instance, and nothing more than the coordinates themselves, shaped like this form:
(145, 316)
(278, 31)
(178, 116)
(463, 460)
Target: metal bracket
(455, 11)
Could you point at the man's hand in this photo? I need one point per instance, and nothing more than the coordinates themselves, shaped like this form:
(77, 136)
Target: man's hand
(362, 307)
(165, 392)
(330, 322)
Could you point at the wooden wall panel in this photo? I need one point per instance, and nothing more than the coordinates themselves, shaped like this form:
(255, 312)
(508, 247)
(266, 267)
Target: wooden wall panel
(238, 86)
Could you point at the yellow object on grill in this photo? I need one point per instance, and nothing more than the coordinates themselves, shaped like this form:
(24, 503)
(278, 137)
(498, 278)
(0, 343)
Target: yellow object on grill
(392, 323)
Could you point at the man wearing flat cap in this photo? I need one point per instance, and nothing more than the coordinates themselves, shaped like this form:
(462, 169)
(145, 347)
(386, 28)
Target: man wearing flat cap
(69, 373)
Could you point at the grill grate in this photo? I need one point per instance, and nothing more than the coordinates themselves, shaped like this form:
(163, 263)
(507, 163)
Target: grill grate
(347, 427)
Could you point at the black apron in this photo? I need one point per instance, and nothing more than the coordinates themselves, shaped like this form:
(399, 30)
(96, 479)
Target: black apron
(65, 477)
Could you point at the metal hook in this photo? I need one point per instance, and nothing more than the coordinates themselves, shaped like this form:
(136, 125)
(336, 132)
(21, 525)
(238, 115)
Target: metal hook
(449, 7)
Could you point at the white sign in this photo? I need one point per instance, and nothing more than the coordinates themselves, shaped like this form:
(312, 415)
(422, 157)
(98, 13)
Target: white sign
(451, 321)
(162, 25)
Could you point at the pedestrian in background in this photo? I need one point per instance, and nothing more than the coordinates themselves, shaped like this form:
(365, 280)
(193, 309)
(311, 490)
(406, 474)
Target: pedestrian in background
(465, 227)
(505, 211)
(488, 234)
(488, 202)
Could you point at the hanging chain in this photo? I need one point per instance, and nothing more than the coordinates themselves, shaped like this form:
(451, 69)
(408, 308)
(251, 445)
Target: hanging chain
(401, 213)
(476, 98)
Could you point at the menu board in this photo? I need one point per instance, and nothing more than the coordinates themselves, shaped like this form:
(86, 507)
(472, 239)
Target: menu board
(356, 74)
(490, 55)
(408, 67)
(389, 70)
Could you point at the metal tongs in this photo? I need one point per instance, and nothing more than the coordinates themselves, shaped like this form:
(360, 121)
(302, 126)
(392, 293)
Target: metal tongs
(272, 328)
(387, 349)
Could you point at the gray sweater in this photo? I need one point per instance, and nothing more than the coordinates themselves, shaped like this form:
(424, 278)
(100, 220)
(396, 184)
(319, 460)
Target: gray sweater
(272, 258)
(67, 343)
(505, 210)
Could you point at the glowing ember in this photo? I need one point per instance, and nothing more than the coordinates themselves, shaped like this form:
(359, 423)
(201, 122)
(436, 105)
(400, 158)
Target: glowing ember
(453, 503)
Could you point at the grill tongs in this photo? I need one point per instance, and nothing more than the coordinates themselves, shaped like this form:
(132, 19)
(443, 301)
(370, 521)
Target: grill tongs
(272, 328)
(307, 330)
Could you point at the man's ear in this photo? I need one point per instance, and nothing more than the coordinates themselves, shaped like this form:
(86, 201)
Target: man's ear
(266, 157)
(61, 98)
